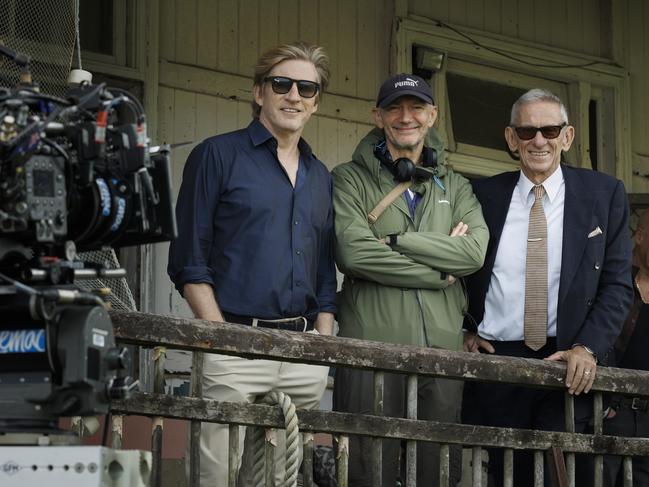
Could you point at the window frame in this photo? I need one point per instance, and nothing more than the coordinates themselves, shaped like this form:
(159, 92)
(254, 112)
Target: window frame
(604, 80)
(128, 41)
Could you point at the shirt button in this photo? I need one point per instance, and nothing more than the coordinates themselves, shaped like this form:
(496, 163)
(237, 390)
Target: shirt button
(597, 266)
(296, 222)
(298, 283)
(589, 302)
(298, 252)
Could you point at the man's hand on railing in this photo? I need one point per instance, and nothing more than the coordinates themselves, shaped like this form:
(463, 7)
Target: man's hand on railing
(473, 343)
(581, 369)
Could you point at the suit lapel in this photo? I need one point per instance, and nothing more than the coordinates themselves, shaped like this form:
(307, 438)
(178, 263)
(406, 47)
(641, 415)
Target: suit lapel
(577, 211)
(495, 206)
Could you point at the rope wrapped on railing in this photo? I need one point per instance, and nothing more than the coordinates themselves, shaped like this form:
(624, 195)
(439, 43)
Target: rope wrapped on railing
(292, 441)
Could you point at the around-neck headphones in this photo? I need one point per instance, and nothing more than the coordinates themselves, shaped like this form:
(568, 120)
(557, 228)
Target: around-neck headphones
(403, 169)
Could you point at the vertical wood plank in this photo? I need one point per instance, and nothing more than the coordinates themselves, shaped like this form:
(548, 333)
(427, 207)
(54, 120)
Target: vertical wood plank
(475, 14)
(165, 115)
(233, 454)
(185, 14)
(347, 61)
(526, 20)
(342, 460)
(307, 462)
(227, 116)
(328, 141)
(248, 27)
(555, 33)
(383, 19)
(184, 123)
(228, 38)
(308, 21)
(328, 38)
(366, 28)
(268, 25)
(510, 12)
(288, 21)
(573, 12)
(590, 33)
(208, 25)
(205, 116)
(476, 463)
(168, 29)
(637, 64)
(457, 12)
(310, 134)
(492, 16)
(244, 114)
(348, 138)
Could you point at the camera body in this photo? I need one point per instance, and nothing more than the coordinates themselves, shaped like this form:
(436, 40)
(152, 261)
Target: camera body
(76, 173)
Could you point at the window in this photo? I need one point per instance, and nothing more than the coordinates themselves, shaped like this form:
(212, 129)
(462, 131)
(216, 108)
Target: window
(475, 88)
(108, 32)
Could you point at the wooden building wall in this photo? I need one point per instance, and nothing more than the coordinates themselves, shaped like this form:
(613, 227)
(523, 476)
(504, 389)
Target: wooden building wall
(611, 29)
(207, 53)
(207, 50)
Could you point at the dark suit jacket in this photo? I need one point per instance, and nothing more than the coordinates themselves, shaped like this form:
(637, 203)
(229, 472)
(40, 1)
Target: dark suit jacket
(595, 291)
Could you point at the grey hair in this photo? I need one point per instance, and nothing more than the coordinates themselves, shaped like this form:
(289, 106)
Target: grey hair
(536, 95)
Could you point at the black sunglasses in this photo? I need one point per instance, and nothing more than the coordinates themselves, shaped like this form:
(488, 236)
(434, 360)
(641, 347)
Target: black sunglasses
(282, 85)
(549, 131)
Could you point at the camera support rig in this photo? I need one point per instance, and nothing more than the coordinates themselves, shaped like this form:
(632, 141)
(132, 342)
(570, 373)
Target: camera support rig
(75, 173)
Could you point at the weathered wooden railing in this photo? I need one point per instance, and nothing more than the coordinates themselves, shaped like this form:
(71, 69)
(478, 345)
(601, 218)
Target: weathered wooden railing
(202, 336)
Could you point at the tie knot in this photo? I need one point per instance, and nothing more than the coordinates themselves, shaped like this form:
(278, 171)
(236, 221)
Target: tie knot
(539, 191)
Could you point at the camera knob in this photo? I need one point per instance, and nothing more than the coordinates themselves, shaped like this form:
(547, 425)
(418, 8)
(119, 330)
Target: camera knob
(118, 358)
(121, 387)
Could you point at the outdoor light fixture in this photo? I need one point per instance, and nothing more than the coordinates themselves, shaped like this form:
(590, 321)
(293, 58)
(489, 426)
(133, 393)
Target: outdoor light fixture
(428, 59)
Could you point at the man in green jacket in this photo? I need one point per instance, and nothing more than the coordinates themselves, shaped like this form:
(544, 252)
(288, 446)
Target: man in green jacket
(402, 265)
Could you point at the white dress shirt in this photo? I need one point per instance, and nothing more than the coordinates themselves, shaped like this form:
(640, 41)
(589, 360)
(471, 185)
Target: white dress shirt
(505, 301)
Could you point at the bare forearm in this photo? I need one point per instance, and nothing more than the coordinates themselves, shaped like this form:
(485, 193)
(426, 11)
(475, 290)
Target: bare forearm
(324, 323)
(201, 299)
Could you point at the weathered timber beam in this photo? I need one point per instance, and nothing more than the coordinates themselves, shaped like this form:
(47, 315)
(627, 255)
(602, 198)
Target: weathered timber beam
(206, 336)
(378, 426)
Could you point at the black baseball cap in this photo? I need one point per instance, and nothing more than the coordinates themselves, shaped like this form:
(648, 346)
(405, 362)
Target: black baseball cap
(403, 85)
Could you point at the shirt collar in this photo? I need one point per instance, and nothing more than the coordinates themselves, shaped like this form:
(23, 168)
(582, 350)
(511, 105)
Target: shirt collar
(260, 135)
(552, 185)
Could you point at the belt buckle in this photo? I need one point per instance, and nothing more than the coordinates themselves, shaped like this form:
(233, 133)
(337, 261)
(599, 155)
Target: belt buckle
(634, 403)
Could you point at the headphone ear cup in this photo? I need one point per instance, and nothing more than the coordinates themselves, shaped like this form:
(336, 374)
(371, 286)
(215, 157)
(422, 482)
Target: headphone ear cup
(404, 169)
(429, 157)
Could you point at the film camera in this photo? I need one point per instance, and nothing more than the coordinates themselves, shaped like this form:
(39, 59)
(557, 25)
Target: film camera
(76, 174)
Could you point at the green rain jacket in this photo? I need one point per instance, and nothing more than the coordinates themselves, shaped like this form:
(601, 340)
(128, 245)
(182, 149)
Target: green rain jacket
(401, 294)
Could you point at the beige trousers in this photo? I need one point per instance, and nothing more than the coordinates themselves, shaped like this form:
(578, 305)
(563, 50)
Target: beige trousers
(236, 379)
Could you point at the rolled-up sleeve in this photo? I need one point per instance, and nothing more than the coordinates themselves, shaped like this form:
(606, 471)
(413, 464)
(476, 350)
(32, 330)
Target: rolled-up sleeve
(195, 208)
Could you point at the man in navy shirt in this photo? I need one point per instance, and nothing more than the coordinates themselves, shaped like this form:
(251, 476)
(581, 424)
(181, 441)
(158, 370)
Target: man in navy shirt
(255, 241)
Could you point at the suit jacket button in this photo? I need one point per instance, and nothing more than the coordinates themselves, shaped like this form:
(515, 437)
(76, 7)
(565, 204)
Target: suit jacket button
(597, 266)
(589, 302)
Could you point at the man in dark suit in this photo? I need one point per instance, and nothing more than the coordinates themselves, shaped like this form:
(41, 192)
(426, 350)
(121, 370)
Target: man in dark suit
(556, 281)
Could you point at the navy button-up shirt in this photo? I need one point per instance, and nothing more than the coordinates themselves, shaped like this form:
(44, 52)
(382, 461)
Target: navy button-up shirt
(264, 246)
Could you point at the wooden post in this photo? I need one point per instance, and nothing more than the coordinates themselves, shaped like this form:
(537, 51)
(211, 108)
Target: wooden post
(342, 461)
(411, 446)
(307, 460)
(377, 443)
(233, 455)
(195, 426)
(159, 354)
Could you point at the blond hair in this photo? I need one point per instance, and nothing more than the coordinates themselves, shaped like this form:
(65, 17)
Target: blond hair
(287, 52)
